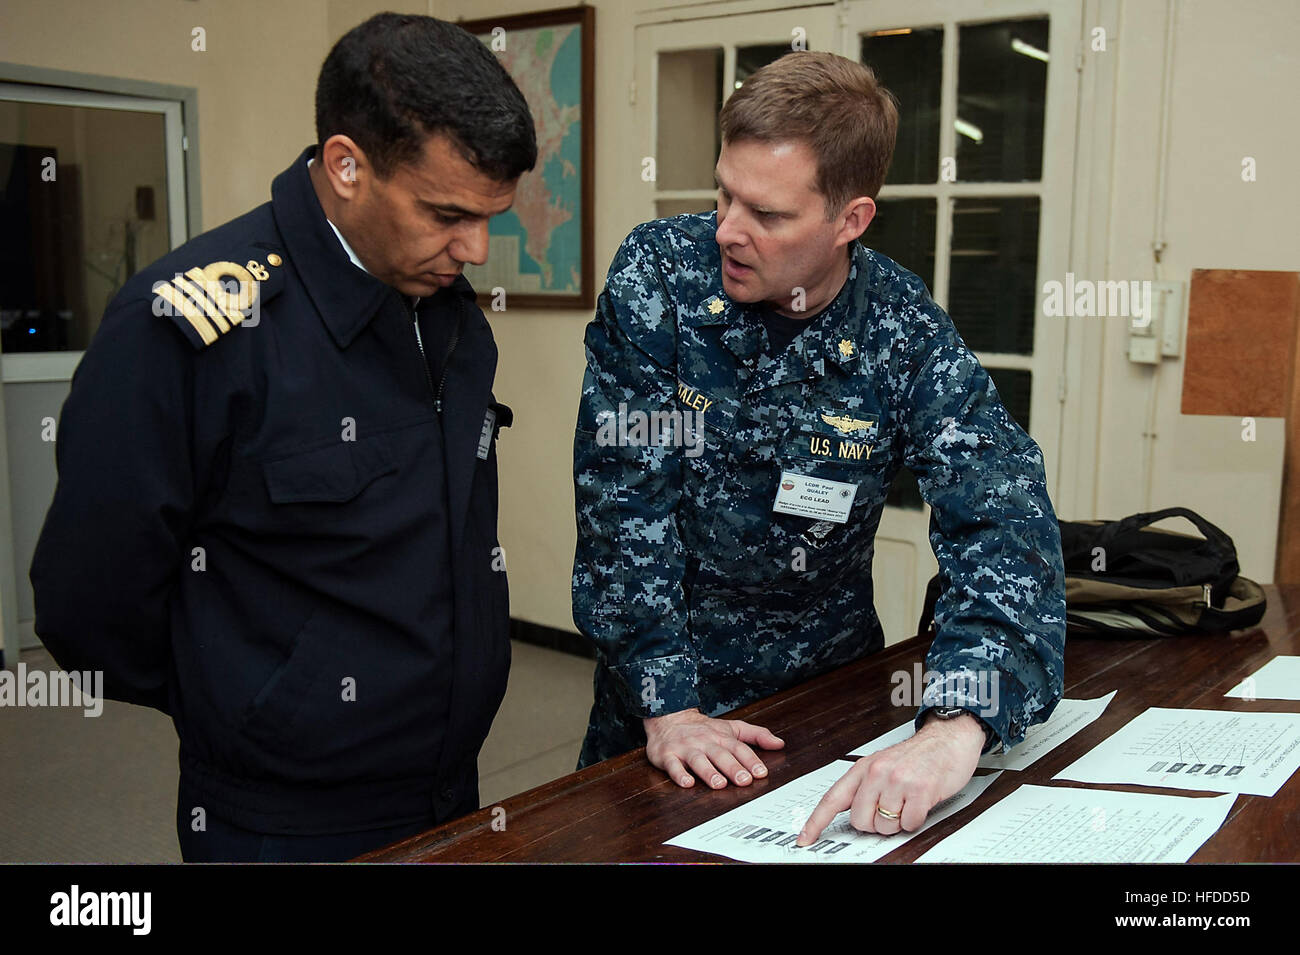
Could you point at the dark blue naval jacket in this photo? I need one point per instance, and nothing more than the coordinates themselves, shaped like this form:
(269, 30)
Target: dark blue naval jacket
(696, 593)
(265, 527)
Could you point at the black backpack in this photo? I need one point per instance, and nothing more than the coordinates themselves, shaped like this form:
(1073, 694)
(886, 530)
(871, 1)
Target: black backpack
(1125, 579)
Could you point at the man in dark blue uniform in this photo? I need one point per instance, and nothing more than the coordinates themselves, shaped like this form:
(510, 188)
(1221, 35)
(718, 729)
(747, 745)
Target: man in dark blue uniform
(277, 501)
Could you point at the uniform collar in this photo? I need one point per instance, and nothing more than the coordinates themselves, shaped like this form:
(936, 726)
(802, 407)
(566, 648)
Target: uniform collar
(348, 248)
(835, 338)
(347, 298)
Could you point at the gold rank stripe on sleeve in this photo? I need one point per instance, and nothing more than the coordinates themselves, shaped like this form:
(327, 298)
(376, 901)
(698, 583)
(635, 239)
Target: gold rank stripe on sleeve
(215, 298)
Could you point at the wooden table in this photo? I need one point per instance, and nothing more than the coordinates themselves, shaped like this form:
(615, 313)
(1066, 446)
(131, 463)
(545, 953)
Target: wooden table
(622, 810)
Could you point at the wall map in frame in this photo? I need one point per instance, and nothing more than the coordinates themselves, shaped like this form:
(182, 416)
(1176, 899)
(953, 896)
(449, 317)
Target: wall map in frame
(540, 252)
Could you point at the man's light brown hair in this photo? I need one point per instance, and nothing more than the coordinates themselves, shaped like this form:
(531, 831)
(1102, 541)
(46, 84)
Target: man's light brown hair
(847, 119)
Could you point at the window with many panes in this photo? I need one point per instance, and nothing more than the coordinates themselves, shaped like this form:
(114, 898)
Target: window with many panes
(967, 223)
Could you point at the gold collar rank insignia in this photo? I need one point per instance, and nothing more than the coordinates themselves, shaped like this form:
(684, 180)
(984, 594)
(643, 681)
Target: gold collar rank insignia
(716, 306)
(846, 347)
(845, 424)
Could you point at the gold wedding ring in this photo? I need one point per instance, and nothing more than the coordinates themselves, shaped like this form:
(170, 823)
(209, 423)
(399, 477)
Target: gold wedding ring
(886, 813)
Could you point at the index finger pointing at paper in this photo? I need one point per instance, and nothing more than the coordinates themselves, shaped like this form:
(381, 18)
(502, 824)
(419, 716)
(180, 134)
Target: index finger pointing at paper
(838, 798)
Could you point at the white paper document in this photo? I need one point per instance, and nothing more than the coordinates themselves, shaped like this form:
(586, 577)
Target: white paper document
(765, 829)
(1068, 718)
(1278, 679)
(1212, 750)
(886, 740)
(1059, 824)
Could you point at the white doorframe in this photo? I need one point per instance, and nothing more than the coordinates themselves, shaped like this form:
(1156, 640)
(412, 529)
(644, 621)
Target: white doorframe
(1077, 478)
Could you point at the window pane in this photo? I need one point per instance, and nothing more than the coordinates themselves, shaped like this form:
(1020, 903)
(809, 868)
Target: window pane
(690, 96)
(994, 263)
(910, 65)
(750, 59)
(83, 206)
(1014, 385)
(903, 229)
(1001, 94)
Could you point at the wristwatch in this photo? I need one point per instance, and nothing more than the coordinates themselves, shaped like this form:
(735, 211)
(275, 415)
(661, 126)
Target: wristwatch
(952, 712)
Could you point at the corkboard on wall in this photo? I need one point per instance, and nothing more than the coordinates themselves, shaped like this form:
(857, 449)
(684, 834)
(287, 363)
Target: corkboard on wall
(1241, 341)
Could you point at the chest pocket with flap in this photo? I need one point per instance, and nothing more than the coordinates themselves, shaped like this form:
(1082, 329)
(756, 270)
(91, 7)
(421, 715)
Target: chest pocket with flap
(334, 474)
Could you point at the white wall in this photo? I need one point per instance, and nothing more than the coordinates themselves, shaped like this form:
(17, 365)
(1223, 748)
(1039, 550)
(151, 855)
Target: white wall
(541, 352)
(1235, 70)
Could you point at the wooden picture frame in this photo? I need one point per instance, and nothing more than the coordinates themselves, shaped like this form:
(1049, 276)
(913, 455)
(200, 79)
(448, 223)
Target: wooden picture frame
(512, 264)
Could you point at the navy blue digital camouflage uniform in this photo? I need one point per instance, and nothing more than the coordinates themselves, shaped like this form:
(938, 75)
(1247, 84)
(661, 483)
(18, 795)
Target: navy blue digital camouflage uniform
(687, 581)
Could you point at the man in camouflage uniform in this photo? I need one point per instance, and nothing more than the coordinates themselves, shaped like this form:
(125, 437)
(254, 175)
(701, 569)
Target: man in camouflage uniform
(755, 380)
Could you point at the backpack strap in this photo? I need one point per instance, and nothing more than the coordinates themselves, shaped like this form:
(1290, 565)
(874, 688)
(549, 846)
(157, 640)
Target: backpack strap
(1135, 522)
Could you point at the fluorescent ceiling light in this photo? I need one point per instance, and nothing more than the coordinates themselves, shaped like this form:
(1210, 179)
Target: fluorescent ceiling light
(1020, 46)
(969, 129)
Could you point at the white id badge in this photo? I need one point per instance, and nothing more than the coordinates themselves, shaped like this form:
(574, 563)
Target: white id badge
(485, 436)
(814, 497)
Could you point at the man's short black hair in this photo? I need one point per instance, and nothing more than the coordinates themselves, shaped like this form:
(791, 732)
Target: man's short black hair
(392, 81)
